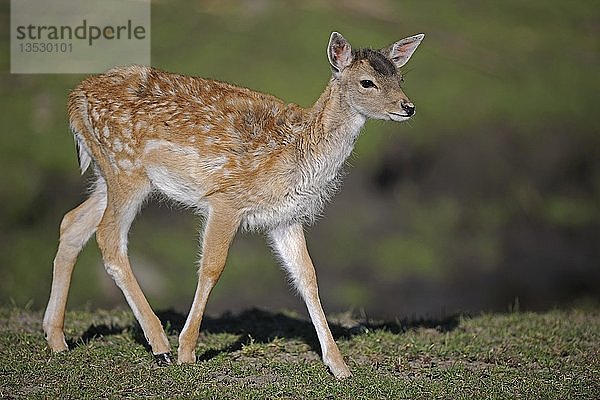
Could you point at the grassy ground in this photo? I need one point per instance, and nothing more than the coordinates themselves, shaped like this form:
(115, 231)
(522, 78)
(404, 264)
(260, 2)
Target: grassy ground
(257, 354)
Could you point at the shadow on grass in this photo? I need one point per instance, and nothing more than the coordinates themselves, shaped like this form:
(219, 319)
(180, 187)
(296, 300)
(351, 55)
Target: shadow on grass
(259, 326)
(95, 332)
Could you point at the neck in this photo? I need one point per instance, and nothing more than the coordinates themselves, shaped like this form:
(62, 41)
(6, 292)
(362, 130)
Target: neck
(333, 125)
(327, 133)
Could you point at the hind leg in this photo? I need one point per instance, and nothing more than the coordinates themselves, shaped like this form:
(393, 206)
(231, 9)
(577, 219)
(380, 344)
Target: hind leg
(123, 204)
(77, 226)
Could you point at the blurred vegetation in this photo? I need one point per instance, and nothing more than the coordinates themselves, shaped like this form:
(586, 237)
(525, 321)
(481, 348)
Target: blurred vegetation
(490, 193)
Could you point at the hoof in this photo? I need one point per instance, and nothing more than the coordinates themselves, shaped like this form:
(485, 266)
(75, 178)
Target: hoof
(163, 359)
(186, 357)
(57, 343)
(341, 373)
(338, 367)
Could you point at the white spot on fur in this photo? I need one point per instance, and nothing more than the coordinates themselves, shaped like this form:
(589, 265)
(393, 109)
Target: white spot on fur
(140, 125)
(125, 164)
(128, 149)
(117, 145)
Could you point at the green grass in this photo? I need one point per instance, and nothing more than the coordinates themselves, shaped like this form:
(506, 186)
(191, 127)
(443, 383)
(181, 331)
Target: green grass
(552, 355)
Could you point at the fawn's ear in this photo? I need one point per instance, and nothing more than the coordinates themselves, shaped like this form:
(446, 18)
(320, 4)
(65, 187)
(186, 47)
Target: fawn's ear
(401, 51)
(339, 52)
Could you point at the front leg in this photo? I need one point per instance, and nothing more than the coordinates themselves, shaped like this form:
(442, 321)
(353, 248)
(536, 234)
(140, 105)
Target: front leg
(290, 245)
(219, 231)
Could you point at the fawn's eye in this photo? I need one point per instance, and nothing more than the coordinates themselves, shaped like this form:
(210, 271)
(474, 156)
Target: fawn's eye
(367, 84)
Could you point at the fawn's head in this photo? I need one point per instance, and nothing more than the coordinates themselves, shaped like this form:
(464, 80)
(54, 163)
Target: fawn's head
(370, 79)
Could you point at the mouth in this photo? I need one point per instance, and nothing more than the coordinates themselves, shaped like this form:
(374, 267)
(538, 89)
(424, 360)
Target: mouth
(399, 117)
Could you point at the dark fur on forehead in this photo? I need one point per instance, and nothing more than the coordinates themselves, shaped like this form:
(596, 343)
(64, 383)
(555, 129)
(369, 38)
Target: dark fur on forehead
(378, 61)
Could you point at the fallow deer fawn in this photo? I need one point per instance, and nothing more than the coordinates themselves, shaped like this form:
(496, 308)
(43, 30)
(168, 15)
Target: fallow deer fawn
(237, 156)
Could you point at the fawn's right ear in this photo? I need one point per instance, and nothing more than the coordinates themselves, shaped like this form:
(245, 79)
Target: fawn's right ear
(339, 53)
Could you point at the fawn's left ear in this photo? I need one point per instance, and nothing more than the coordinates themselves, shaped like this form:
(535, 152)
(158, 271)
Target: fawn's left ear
(339, 52)
(401, 51)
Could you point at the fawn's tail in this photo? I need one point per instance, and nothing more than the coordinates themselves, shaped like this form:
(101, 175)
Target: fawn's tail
(79, 122)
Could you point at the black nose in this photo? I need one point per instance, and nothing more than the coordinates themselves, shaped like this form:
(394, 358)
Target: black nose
(409, 108)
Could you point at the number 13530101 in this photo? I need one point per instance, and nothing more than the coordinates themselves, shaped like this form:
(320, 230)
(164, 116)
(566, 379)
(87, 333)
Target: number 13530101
(46, 47)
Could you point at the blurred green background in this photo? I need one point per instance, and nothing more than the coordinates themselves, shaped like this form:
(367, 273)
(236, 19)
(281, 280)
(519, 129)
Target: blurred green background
(488, 196)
